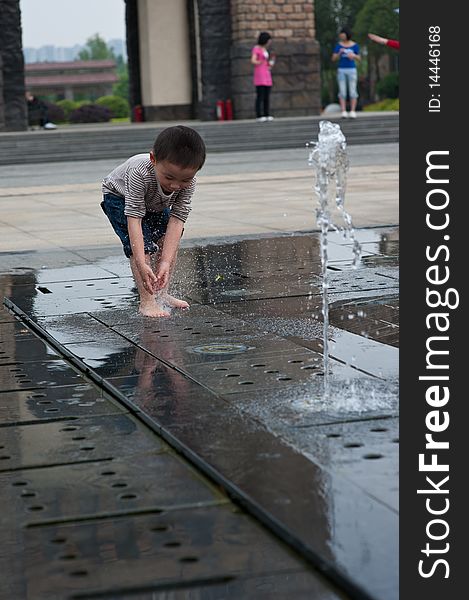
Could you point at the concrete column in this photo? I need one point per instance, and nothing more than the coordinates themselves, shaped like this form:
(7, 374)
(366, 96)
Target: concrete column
(165, 71)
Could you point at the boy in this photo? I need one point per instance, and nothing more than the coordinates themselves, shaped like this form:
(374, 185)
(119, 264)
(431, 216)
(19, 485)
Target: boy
(147, 200)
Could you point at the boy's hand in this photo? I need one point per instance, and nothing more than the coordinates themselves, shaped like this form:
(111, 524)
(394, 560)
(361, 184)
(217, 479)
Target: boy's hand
(148, 277)
(162, 274)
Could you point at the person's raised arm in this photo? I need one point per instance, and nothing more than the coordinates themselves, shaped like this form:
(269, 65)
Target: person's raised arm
(378, 39)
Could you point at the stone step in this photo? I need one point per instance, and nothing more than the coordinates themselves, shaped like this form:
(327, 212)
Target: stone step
(121, 141)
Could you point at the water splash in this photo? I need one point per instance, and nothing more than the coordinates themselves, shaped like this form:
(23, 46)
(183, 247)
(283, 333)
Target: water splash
(329, 158)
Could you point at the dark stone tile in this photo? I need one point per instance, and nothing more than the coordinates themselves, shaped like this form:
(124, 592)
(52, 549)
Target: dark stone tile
(141, 482)
(104, 288)
(301, 585)
(73, 328)
(168, 550)
(38, 374)
(366, 453)
(71, 274)
(323, 509)
(99, 438)
(55, 403)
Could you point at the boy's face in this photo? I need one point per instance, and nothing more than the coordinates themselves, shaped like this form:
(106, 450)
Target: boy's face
(172, 177)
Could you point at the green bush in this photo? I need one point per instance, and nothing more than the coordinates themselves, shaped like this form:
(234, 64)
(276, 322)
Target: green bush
(388, 86)
(67, 106)
(119, 107)
(388, 104)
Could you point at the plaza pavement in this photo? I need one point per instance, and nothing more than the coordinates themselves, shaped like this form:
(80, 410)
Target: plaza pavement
(56, 205)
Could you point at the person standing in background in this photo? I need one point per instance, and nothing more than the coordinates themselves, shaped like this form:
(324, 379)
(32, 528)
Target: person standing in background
(262, 76)
(347, 52)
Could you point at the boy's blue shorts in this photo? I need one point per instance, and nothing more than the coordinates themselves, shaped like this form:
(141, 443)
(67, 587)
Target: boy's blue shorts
(153, 224)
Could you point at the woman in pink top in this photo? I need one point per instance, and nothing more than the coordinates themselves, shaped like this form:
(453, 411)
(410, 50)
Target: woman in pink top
(262, 76)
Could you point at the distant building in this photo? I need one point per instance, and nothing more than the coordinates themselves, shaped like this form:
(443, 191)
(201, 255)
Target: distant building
(68, 53)
(71, 80)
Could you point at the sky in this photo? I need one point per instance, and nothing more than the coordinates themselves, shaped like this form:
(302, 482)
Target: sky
(70, 22)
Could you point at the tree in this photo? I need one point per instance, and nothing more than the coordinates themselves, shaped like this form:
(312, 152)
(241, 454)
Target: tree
(377, 16)
(331, 16)
(121, 88)
(96, 49)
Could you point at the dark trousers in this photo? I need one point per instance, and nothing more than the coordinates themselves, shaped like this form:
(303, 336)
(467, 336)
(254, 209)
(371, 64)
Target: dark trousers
(262, 100)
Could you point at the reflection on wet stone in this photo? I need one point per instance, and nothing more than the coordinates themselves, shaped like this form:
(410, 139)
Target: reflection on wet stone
(235, 383)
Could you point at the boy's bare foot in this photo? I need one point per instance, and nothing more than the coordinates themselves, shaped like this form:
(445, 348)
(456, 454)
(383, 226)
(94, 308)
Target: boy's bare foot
(173, 302)
(152, 309)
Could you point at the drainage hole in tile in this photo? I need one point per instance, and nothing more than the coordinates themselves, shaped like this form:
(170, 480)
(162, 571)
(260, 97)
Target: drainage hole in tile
(333, 435)
(69, 428)
(295, 361)
(119, 484)
(245, 382)
(35, 507)
(58, 540)
(220, 369)
(19, 483)
(87, 448)
(257, 365)
(379, 429)
(44, 402)
(395, 440)
(353, 445)
(128, 496)
(28, 494)
(159, 528)
(188, 328)
(172, 544)
(67, 557)
(37, 396)
(50, 410)
(81, 573)
(189, 559)
(372, 456)
(217, 325)
(232, 375)
(4, 457)
(272, 371)
(107, 473)
(284, 378)
(79, 437)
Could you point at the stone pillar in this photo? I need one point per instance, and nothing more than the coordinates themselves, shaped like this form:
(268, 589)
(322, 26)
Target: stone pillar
(133, 54)
(12, 100)
(296, 87)
(165, 71)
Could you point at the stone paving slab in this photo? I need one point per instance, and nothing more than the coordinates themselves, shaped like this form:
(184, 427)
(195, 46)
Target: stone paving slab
(45, 404)
(187, 547)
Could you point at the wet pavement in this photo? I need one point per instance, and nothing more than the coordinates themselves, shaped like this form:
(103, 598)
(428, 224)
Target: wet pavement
(114, 403)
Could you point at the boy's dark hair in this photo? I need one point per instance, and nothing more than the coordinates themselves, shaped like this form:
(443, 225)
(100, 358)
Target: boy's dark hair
(181, 146)
(348, 33)
(263, 38)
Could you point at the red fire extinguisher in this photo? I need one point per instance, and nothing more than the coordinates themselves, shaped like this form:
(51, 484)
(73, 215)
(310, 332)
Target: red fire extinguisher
(229, 110)
(220, 110)
(138, 113)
